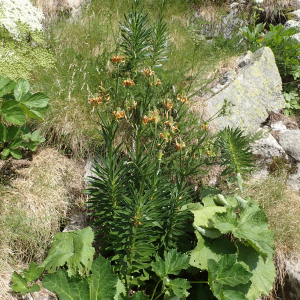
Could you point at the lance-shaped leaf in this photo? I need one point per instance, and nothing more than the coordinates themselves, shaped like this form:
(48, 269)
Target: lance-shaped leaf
(226, 272)
(250, 224)
(210, 249)
(173, 264)
(103, 282)
(178, 286)
(65, 288)
(263, 272)
(74, 248)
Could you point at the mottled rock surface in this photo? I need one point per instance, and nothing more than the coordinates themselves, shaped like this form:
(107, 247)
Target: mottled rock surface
(290, 142)
(255, 93)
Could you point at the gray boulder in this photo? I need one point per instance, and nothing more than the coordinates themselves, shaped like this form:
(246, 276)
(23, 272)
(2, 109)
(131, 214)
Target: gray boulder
(255, 92)
(290, 142)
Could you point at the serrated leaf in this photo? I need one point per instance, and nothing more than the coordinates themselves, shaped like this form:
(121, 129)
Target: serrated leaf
(12, 113)
(65, 288)
(227, 271)
(120, 289)
(210, 249)
(33, 273)
(21, 89)
(263, 273)
(103, 282)
(173, 264)
(204, 216)
(20, 284)
(37, 100)
(178, 286)
(250, 224)
(74, 248)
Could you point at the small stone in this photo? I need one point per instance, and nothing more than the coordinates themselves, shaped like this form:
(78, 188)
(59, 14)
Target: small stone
(278, 126)
(289, 140)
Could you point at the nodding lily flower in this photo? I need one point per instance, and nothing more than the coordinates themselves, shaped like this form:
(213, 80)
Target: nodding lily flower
(145, 120)
(128, 82)
(205, 126)
(155, 81)
(131, 104)
(118, 59)
(148, 71)
(168, 104)
(183, 98)
(96, 100)
(165, 135)
(180, 145)
(119, 114)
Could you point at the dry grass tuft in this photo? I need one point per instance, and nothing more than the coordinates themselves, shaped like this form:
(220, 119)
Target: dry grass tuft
(282, 207)
(32, 208)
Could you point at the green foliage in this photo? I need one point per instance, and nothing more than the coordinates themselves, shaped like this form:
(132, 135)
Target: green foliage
(21, 283)
(236, 153)
(71, 248)
(235, 265)
(17, 105)
(291, 96)
(253, 34)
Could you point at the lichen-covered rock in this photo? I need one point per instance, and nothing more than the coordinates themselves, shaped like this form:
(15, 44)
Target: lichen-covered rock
(255, 92)
(290, 142)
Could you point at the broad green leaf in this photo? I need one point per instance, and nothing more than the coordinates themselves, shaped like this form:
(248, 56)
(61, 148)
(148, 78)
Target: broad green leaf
(32, 113)
(12, 113)
(33, 273)
(103, 281)
(6, 86)
(35, 136)
(212, 233)
(204, 216)
(250, 224)
(263, 273)
(74, 248)
(12, 132)
(226, 272)
(227, 294)
(16, 153)
(179, 286)
(120, 289)
(32, 146)
(210, 249)
(20, 285)
(15, 143)
(173, 264)
(26, 132)
(21, 89)
(67, 289)
(37, 100)
(4, 153)
(3, 132)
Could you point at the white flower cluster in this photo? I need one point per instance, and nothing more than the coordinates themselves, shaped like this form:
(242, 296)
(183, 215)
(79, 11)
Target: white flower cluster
(15, 12)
